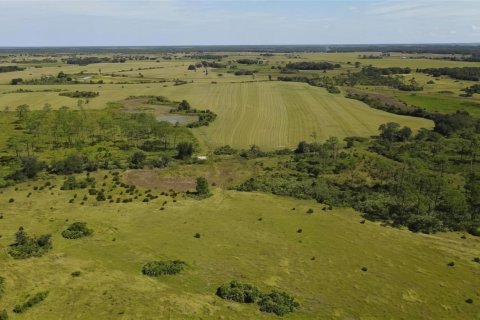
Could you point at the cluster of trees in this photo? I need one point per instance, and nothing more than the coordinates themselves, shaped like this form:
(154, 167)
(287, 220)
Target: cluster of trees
(79, 94)
(471, 90)
(206, 64)
(368, 76)
(387, 71)
(324, 82)
(26, 246)
(10, 69)
(244, 72)
(249, 61)
(279, 303)
(168, 267)
(83, 61)
(68, 128)
(204, 116)
(371, 76)
(206, 56)
(108, 129)
(465, 73)
(371, 56)
(307, 65)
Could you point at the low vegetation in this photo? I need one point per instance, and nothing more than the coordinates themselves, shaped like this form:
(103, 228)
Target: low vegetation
(77, 230)
(79, 94)
(163, 267)
(31, 302)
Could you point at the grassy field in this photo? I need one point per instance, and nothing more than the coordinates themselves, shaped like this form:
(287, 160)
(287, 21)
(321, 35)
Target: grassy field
(443, 103)
(276, 114)
(408, 278)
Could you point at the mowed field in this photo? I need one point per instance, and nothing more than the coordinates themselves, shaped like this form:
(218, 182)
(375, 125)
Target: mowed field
(407, 276)
(277, 114)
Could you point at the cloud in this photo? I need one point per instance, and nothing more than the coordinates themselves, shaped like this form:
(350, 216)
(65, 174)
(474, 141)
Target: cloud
(426, 9)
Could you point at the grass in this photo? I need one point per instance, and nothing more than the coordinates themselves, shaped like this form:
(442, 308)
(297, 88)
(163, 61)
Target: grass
(441, 103)
(408, 278)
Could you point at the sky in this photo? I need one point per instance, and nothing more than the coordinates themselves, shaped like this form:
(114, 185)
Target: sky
(225, 22)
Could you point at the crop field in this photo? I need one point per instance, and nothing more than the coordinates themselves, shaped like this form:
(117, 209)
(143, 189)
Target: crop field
(250, 237)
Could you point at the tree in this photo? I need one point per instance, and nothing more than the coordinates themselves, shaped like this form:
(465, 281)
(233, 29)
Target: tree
(185, 150)
(393, 133)
(137, 159)
(16, 81)
(22, 112)
(184, 106)
(202, 187)
(31, 166)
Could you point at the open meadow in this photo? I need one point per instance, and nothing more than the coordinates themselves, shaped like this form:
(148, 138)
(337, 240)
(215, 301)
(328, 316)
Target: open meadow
(265, 240)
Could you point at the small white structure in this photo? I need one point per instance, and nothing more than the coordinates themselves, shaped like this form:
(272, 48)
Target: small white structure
(201, 157)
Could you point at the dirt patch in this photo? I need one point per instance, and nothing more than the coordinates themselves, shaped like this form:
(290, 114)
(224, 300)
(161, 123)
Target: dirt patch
(151, 179)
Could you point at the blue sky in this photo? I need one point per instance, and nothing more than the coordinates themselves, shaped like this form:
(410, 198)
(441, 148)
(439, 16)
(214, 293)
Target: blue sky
(176, 22)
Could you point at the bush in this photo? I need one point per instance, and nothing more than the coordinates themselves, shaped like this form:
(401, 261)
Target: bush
(202, 187)
(185, 150)
(239, 292)
(225, 150)
(39, 297)
(76, 274)
(137, 159)
(2, 286)
(279, 303)
(101, 196)
(77, 230)
(71, 183)
(26, 247)
(158, 268)
(3, 315)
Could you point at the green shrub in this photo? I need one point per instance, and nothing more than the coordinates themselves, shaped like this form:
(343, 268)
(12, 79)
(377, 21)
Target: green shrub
(225, 150)
(101, 196)
(71, 183)
(37, 298)
(279, 303)
(239, 292)
(77, 230)
(2, 286)
(76, 274)
(158, 268)
(26, 247)
(202, 187)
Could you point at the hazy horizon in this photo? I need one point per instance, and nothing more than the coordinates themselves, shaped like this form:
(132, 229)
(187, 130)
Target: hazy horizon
(115, 23)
